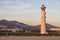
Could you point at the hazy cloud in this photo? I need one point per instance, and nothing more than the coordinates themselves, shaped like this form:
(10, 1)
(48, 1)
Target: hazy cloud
(17, 10)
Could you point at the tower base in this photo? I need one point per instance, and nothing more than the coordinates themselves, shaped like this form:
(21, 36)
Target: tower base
(44, 33)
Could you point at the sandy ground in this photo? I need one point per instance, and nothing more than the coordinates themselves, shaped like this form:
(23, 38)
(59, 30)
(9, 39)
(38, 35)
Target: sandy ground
(29, 37)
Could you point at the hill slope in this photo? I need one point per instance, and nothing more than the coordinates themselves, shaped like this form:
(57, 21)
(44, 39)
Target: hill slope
(12, 24)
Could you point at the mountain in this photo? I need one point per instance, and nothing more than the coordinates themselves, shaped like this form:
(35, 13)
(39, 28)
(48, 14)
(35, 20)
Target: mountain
(48, 26)
(12, 24)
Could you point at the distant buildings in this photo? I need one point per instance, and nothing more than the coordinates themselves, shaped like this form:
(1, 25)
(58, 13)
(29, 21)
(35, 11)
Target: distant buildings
(3, 26)
(54, 29)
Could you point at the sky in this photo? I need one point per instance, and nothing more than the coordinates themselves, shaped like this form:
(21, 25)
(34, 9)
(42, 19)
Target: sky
(29, 12)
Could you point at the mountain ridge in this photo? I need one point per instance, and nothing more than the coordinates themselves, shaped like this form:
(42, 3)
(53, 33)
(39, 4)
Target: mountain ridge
(12, 24)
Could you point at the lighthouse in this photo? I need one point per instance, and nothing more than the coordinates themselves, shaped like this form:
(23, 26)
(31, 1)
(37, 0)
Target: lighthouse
(43, 20)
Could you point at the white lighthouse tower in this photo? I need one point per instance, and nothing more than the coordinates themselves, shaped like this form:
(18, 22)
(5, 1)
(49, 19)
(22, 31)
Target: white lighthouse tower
(43, 20)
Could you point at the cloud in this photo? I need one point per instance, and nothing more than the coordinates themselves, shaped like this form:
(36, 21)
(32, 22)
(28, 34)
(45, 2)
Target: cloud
(17, 10)
(15, 7)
